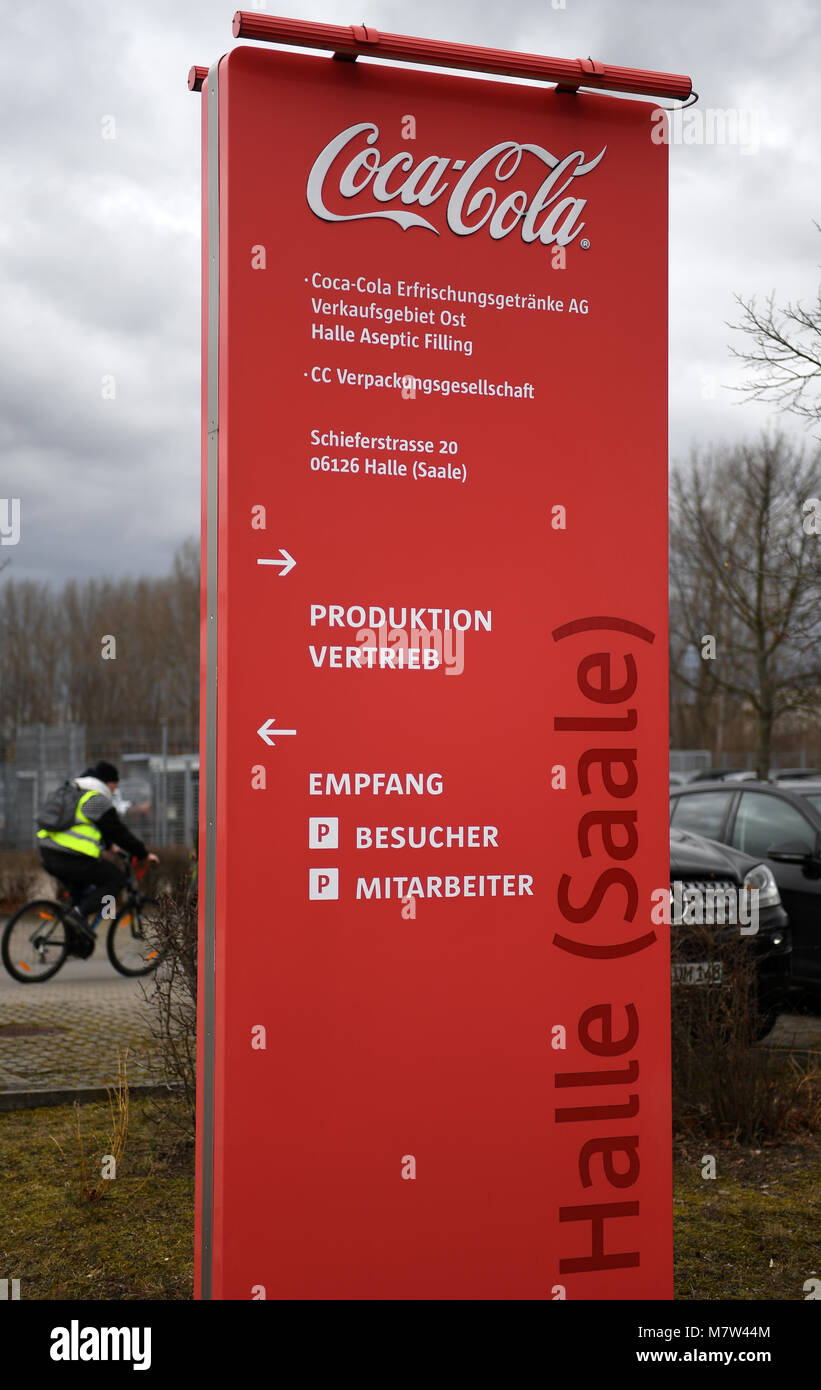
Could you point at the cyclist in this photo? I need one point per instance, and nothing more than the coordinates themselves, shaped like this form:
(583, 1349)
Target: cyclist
(73, 856)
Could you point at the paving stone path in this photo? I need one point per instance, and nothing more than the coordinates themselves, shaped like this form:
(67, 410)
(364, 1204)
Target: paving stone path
(797, 1031)
(69, 1031)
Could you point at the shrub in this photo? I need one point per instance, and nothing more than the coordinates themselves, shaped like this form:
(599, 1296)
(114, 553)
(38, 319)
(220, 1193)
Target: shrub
(20, 871)
(171, 998)
(725, 1082)
(174, 869)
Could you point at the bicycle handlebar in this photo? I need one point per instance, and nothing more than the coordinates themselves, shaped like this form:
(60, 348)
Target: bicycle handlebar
(131, 861)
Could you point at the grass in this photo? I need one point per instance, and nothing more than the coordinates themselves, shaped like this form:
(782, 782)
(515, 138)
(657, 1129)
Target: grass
(752, 1232)
(134, 1241)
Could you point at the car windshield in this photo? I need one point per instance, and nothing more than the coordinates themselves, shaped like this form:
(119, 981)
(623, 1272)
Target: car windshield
(814, 799)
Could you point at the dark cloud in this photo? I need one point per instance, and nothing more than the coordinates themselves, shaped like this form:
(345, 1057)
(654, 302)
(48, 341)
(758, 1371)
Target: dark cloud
(99, 247)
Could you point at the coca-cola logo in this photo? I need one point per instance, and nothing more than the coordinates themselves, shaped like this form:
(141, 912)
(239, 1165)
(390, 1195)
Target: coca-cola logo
(352, 166)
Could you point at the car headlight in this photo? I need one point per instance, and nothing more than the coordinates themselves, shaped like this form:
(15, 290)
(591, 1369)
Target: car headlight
(761, 878)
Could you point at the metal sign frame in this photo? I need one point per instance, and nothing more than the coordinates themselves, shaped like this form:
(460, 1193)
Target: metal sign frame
(352, 43)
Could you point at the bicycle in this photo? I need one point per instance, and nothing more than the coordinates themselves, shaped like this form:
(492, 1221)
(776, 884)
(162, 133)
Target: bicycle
(40, 936)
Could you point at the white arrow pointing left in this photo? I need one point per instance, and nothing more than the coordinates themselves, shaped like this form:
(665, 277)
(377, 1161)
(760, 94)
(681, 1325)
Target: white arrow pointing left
(267, 731)
(287, 562)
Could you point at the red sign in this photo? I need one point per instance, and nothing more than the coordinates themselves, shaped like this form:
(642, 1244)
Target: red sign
(435, 1017)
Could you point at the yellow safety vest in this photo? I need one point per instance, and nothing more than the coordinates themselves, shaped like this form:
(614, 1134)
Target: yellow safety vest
(84, 837)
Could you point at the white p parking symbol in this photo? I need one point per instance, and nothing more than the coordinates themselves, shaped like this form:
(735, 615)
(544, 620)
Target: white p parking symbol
(323, 884)
(323, 832)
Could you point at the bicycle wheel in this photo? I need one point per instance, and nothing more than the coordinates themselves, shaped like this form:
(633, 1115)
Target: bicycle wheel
(35, 942)
(130, 942)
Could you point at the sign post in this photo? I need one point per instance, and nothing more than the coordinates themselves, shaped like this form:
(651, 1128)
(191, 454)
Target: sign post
(434, 1022)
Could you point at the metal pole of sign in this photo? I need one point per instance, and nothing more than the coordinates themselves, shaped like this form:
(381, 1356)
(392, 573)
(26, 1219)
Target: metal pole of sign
(207, 838)
(358, 40)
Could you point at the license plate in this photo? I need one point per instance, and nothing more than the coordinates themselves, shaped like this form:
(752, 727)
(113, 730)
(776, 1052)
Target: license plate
(697, 972)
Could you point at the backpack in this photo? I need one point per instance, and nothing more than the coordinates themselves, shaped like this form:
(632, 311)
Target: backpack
(59, 808)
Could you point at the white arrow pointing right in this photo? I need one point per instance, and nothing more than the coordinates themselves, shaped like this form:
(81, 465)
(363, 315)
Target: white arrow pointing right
(287, 562)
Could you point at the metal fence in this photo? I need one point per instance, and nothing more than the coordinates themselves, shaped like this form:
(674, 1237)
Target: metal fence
(779, 758)
(689, 759)
(686, 760)
(159, 777)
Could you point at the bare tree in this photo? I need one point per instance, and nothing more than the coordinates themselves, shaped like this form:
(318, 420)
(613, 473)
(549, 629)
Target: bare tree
(102, 651)
(785, 356)
(746, 572)
(29, 679)
(184, 635)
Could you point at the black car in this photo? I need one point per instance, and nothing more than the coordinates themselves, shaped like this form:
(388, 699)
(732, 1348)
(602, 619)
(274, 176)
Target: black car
(781, 825)
(701, 870)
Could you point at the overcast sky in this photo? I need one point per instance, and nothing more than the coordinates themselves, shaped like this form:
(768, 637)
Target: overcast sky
(100, 238)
